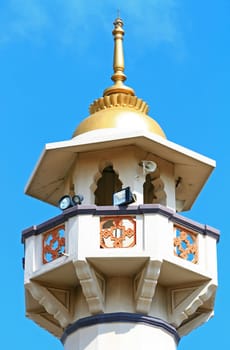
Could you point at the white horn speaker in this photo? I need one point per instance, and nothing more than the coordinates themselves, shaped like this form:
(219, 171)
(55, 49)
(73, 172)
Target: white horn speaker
(148, 166)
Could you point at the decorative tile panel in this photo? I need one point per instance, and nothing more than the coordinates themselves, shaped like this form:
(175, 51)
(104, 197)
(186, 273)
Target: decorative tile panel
(117, 232)
(53, 244)
(185, 244)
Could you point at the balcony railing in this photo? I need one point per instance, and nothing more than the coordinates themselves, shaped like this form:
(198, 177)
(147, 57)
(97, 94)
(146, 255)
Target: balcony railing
(116, 227)
(117, 231)
(53, 244)
(185, 244)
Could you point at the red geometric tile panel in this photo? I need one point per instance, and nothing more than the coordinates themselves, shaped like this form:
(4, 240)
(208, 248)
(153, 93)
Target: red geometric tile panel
(186, 244)
(53, 245)
(117, 232)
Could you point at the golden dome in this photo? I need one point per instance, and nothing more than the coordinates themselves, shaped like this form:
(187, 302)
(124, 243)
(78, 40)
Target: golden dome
(119, 107)
(119, 111)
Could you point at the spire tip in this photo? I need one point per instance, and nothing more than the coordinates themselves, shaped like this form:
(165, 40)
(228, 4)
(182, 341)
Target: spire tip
(118, 61)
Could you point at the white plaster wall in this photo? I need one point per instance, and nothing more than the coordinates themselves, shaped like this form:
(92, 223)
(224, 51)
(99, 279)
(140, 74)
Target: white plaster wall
(84, 236)
(30, 254)
(158, 236)
(119, 294)
(72, 236)
(159, 307)
(120, 336)
(210, 256)
(125, 161)
(84, 239)
(88, 167)
(81, 308)
(33, 256)
(166, 170)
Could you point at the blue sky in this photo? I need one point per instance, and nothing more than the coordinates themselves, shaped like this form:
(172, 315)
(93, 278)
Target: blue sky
(55, 59)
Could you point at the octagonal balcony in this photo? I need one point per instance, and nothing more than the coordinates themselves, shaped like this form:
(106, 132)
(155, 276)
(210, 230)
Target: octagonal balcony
(119, 241)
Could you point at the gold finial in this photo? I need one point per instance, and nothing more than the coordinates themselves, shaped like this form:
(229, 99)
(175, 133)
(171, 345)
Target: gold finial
(118, 62)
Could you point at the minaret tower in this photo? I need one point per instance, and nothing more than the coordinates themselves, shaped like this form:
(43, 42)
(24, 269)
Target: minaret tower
(120, 267)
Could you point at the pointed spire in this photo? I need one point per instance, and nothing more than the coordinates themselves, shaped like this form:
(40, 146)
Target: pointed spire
(118, 62)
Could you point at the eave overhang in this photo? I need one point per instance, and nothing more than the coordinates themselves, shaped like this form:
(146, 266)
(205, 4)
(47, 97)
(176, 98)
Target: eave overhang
(47, 180)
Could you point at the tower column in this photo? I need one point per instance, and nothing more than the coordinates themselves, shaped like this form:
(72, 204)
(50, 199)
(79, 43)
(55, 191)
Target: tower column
(120, 331)
(132, 276)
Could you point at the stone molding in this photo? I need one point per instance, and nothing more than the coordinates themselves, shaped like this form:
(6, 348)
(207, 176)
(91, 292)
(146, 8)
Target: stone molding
(116, 211)
(146, 282)
(194, 323)
(91, 288)
(119, 100)
(46, 324)
(194, 306)
(120, 317)
(50, 303)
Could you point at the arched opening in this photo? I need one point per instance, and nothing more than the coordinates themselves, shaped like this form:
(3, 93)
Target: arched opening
(153, 189)
(107, 184)
(148, 190)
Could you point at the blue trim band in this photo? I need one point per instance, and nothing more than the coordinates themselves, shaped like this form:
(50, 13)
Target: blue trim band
(112, 210)
(120, 317)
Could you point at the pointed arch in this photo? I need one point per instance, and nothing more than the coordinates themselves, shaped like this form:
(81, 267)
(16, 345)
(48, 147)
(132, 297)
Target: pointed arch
(148, 190)
(106, 185)
(153, 189)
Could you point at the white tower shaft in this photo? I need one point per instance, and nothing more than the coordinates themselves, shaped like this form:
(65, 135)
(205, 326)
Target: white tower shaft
(118, 335)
